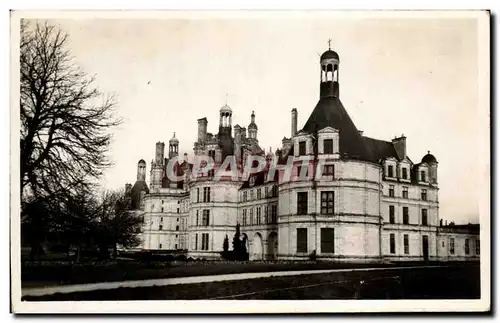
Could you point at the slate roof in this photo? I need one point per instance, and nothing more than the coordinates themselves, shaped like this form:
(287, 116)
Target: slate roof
(380, 149)
(330, 54)
(330, 112)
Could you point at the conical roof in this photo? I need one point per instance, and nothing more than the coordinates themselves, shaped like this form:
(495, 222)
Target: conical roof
(329, 112)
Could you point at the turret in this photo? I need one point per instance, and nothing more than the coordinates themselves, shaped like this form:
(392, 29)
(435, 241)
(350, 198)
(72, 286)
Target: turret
(173, 147)
(252, 127)
(141, 170)
(329, 86)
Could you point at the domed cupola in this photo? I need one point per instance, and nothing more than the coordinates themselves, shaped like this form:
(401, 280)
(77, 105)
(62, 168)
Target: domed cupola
(329, 62)
(330, 54)
(429, 158)
(225, 118)
(173, 147)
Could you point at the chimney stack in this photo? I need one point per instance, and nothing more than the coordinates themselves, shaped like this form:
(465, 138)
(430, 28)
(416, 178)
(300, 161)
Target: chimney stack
(400, 146)
(294, 122)
(202, 129)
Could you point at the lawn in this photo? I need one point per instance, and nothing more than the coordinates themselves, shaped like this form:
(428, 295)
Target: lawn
(461, 281)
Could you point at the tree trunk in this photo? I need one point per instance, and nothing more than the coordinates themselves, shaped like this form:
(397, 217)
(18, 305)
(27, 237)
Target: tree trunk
(36, 250)
(78, 251)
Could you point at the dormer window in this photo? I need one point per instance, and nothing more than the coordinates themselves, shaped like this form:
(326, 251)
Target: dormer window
(405, 173)
(390, 171)
(328, 146)
(422, 176)
(302, 148)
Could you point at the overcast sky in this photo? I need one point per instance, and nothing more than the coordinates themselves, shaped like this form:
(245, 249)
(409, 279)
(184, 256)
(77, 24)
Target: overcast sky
(416, 77)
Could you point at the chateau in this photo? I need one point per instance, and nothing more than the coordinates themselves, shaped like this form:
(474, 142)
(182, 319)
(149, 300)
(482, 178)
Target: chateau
(329, 191)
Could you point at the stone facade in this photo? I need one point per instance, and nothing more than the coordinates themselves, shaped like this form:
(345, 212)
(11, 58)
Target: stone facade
(329, 193)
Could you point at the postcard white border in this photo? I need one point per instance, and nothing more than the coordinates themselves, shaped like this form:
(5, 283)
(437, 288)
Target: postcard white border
(316, 306)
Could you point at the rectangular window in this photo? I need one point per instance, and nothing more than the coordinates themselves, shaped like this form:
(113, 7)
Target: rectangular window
(328, 146)
(390, 171)
(302, 148)
(392, 242)
(452, 246)
(196, 241)
(162, 209)
(405, 173)
(206, 218)
(245, 196)
(197, 195)
(391, 190)
(392, 216)
(466, 246)
(327, 202)
(327, 240)
(178, 210)
(302, 203)
(244, 220)
(424, 216)
(405, 215)
(251, 216)
(258, 194)
(422, 175)
(267, 191)
(477, 247)
(258, 215)
(328, 170)
(206, 194)
(160, 227)
(302, 240)
(197, 218)
(161, 220)
(251, 195)
(159, 246)
(406, 244)
(405, 192)
(275, 190)
(266, 214)
(204, 241)
(423, 195)
(274, 214)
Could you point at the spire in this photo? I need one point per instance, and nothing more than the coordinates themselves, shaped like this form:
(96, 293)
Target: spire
(329, 44)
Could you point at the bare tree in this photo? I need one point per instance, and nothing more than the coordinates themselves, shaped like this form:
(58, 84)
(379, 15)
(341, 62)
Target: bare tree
(65, 119)
(115, 223)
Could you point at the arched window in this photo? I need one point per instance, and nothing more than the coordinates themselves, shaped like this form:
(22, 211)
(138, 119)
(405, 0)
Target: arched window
(329, 73)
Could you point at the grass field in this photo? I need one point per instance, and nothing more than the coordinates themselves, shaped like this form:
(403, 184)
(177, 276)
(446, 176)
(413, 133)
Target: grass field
(456, 282)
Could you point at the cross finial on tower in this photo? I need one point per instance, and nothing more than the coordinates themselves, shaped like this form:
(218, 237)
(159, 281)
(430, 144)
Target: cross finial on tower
(226, 98)
(428, 151)
(174, 134)
(329, 43)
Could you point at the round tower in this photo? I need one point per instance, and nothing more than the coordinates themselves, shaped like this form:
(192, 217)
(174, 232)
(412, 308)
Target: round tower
(173, 147)
(141, 170)
(329, 86)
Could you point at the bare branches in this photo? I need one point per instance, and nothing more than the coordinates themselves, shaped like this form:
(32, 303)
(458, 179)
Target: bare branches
(65, 119)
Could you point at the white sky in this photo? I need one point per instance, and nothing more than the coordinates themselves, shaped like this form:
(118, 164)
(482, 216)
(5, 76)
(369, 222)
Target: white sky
(417, 77)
